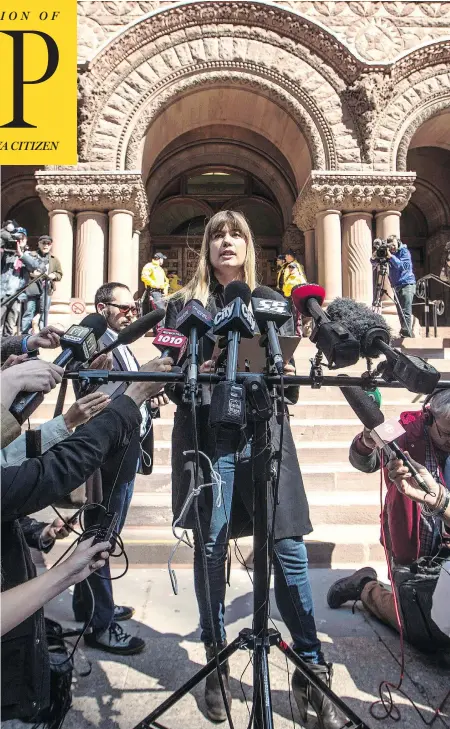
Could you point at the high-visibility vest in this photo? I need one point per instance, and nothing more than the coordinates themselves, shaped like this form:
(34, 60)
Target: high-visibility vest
(294, 275)
(154, 277)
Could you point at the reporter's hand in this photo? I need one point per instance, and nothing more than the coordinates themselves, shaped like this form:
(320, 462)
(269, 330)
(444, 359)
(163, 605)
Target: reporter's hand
(82, 562)
(102, 362)
(14, 359)
(141, 391)
(367, 439)
(207, 367)
(47, 338)
(400, 475)
(85, 408)
(33, 375)
(56, 530)
(159, 401)
(52, 276)
(288, 369)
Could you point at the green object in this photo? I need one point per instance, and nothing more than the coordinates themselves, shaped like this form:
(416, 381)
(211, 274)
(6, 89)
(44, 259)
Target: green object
(375, 395)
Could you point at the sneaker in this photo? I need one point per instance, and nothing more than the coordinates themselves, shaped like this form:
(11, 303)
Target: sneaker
(350, 588)
(115, 640)
(122, 612)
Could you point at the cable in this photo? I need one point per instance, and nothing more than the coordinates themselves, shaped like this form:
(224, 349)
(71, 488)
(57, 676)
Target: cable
(205, 559)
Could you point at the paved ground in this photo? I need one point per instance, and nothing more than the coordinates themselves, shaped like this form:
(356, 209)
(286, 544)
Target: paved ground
(121, 692)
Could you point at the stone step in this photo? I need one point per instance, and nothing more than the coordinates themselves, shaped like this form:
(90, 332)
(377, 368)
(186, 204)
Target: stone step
(328, 545)
(307, 452)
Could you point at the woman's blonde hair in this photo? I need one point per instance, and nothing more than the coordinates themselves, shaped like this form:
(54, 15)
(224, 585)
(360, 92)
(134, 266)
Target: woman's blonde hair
(198, 286)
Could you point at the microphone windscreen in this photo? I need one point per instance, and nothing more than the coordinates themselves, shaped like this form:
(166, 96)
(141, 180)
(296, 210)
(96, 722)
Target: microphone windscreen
(363, 406)
(96, 322)
(237, 289)
(300, 295)
(264, 292)
(362, 322)
(141, 326)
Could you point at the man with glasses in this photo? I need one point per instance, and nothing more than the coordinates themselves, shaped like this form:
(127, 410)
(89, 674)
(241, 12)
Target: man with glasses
(415, 523)
(115, 480)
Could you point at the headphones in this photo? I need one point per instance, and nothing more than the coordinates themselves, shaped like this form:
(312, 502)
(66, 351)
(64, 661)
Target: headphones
(429, 417)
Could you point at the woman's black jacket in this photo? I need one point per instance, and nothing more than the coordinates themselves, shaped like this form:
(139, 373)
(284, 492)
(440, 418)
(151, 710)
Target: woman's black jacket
(292, 515)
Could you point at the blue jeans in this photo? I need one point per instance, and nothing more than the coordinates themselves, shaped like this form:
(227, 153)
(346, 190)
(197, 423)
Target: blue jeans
(100, 581)
(405, 296)
(292, 587)
(33, 306)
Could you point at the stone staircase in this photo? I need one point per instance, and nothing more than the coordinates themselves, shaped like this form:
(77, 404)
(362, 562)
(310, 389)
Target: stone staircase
(344, 504)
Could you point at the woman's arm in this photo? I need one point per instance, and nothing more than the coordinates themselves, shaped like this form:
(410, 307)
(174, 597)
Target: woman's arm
(437, 501)
(20, 602)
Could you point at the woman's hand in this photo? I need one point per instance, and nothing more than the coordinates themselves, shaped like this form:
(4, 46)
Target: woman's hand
(85, 408)
(83, 561)
(102, 362)
(400, 475)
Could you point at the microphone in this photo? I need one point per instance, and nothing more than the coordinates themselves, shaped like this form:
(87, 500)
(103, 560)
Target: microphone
(193, 321)
(374, 336)
(383, 432)
(332, 338)
(234, 320)
(171, 344)
(271, 311)
(133, 331)
(78, 343)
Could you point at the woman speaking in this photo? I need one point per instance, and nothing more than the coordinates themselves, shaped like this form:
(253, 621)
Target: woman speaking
(228, 254)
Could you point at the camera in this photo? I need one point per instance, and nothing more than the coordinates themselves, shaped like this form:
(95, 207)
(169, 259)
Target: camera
(380, 249)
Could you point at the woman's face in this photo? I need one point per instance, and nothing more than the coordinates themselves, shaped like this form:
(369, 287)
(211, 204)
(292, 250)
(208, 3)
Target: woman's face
(227, 250)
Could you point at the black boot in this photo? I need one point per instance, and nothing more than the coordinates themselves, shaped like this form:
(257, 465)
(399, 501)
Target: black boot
(328, 717)
(215, 707)
(350, 588)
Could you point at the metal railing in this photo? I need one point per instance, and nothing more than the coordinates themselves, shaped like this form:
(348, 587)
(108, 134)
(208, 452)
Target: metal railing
(436, 306)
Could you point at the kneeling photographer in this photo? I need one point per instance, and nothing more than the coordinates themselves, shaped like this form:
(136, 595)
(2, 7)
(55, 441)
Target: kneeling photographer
(415, 525)
(396, 255)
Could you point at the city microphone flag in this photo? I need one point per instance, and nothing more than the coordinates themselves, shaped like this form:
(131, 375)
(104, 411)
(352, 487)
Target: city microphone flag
(38, 82)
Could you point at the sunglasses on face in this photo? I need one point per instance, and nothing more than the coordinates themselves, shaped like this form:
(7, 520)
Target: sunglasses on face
(124, 308)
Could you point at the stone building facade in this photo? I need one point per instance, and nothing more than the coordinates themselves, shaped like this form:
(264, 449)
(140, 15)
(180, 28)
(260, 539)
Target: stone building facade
(326, 123)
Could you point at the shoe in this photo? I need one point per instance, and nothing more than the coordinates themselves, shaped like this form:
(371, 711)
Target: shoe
(122, 612)
(215, 708)
(350, 588)
(115, 640)
(328, 717)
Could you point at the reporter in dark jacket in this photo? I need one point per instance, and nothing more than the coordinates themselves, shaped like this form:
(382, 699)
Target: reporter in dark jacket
(32, 486)
(228, 254)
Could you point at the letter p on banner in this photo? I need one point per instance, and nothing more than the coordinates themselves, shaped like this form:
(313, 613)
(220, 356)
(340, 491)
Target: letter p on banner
(38, 82)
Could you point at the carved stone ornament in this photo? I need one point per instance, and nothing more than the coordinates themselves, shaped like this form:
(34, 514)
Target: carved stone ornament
(365, 98)
(352, 192)
(97, 191)
(293, 238)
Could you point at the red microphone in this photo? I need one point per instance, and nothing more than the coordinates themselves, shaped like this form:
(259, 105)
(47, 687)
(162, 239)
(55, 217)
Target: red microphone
(171, 344)
(308, 299)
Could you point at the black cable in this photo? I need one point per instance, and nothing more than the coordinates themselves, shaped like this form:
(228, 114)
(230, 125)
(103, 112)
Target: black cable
(205, 559)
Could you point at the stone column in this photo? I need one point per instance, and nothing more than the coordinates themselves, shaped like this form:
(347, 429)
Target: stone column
(328, 237)
(135, 273)
(310, 263)
(61, 230)
(357, 274)
(388, 223)
(120, 258)
(92, 230)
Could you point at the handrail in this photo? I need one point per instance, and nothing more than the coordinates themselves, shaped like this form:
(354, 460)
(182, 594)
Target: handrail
(434, 278)
(438, 306)
(11, 298)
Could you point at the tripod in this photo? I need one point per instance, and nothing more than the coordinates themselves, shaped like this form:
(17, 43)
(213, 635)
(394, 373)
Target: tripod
(382, 270)
(259, 638)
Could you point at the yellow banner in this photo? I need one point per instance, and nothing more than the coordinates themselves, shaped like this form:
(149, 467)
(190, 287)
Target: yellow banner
(38, 82)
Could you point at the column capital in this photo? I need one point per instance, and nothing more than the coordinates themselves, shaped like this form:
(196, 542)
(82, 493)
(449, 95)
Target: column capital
(59, 211)
(395, 213)
(78, 190)
(352, 191)
(363, 214)
(111, 213)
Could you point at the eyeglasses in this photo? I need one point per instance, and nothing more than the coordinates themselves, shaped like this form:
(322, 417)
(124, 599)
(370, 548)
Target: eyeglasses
(442, 433)
(123, 308)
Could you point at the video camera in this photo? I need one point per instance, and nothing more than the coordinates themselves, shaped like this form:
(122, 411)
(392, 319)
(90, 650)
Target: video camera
(380, 249)
(10, 233)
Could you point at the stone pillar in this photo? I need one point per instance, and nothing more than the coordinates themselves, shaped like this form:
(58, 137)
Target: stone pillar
(388, 223)
(92, 230)
(135, 273)
(310, 263)
(120, 258)
(61, 230)
(328, 237)
(357, 273)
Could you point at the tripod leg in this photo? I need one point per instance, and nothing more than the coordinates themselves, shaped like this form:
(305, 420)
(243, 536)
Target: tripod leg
(354, 722)
(150, 720)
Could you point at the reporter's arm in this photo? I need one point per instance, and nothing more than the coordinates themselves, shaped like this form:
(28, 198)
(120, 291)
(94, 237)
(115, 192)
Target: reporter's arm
(52, 432)
(10, 427)
(39, 482)
(364, 458)
(19, 602)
